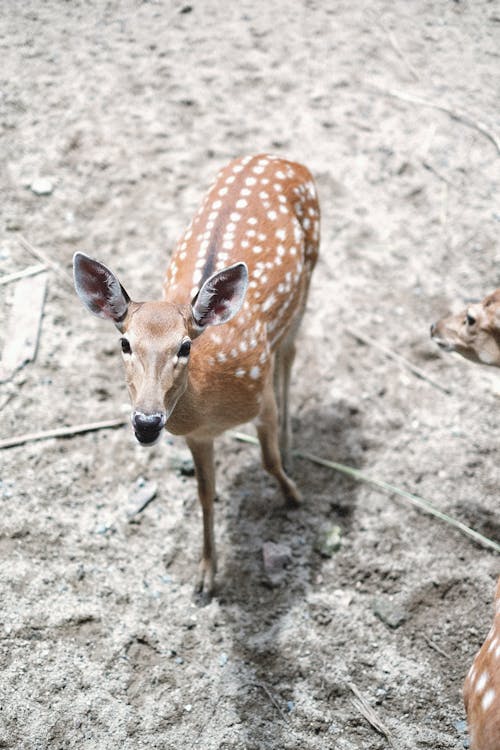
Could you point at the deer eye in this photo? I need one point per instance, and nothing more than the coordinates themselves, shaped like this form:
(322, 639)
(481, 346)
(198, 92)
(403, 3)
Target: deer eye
(125, 344)
(470, 319)
(185, 348)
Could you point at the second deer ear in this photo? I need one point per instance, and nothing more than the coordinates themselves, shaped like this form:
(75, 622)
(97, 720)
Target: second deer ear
(221, 296)
(99, 289)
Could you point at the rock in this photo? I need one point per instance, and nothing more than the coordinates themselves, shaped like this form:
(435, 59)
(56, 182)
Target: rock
(141, 494)
(276, 559)
(389, 612)
(329, 540)
(42, 186)
(182, 463)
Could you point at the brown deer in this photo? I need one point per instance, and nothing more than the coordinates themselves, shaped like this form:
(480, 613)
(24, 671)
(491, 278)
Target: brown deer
(244, 262)
(475, 334)
(482, 689)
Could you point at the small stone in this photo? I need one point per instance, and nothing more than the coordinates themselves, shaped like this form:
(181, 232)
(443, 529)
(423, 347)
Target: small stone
(182, 463)
(329, 541)
(277, 557)
(223, 660)
(42, 186)
(389, 612)
(141, 494)
(12, 224)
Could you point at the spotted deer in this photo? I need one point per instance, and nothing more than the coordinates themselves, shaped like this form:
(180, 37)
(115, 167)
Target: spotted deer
(482, 689)
(475, 334)
(244, 263)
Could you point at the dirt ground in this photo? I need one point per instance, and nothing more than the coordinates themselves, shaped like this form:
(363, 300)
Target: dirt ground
(127, 110)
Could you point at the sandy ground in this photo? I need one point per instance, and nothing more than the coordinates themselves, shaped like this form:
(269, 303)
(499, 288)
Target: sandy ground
(128, 109)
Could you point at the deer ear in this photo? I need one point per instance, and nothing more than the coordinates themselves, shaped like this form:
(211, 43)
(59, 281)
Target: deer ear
(221, 296)
(99, 289)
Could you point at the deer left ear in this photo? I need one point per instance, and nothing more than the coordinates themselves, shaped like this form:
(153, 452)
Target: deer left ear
(99, 289)
(221, 296)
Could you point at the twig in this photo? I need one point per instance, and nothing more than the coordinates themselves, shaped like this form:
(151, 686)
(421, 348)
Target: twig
(395, 45)
(364, 708)
(271, 698)
(30, 271)
(45, 258)
(61, 432)
(398, 358)
(435, 646)
(23, 325)
(430, 168)
(459, 116)
(419, 502)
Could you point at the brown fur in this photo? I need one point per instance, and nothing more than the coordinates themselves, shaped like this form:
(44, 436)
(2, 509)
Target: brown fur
(261, 212)
(481, 705)
(475, 334)
(479, 340)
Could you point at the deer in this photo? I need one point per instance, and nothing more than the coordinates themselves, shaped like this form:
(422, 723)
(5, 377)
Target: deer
(244, 263)
(482, 689)
(475, 334)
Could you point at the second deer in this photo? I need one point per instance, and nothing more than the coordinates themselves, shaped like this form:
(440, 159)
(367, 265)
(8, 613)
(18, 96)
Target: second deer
(475, 334)
(245, 263)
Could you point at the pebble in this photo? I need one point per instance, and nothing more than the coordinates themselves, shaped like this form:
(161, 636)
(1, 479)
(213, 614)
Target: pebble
(389, 612)
(141, 494)
(42, 186)
(329, 540)
(277, 557)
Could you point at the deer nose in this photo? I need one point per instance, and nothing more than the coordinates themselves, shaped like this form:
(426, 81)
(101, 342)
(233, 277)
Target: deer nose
(147, 427)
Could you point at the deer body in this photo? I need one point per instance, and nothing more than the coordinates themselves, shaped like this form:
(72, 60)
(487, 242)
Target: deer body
(245, 261)
(475, 334)
(482, 689)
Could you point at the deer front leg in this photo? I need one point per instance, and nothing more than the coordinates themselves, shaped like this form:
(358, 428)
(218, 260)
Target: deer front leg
(267, 431)
(284, 358)
(203, 457)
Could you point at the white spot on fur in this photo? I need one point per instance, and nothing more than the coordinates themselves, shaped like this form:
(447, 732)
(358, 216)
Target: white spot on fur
(481, 682)
(488, 699)
(241, 203)
(254, 374)
(240, 372)
(272, 215)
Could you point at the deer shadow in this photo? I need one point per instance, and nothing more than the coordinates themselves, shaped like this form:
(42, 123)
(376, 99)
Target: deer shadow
(261, 609)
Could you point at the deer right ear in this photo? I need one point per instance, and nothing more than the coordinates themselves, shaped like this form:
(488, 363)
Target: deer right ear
(220, 297)
(99, 289)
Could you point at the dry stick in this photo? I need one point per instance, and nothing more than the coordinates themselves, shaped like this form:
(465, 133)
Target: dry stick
(435, 646)
(415, 500)
(459, 116)
(271, 698)
(395, 45)
(61, 432)
(45, 258)
(398, 358)
(30, 271)
(369, 714)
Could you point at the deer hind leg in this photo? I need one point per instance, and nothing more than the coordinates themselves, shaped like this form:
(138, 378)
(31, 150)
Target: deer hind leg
(203, 457)
(267, 431)
(284, 358)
